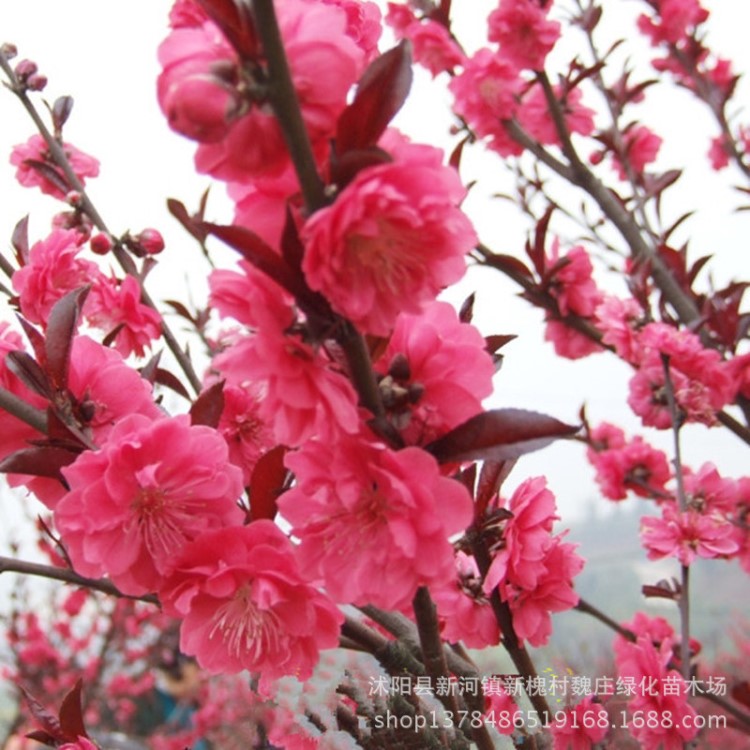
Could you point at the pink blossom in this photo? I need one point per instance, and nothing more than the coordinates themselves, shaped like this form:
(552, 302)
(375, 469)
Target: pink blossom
(687, 535)
(702, 382)
(524, 33)
(102, 390)
(535, 117)
(465, 612)
(245, 605)
(676, 19)
(568, 342)
(627, 465)
(115, 306)
(198, 67)
(433, 47)
(436, 371)
(647, 664)
(500, 709)
(151, 488)
(261, 205)
(304, 394)
(186, 13)
(572, 284)
(527, 536)
(641, 148)
(553, 592)
(247, 434)
(718, 154)
(584, 724)
(363, 24)
(392, 240)
(35, 150)
(53, 270)
(384, 517)
(325, 62)
(619, 320)
(485, 96)
(709, 492)
(82, 743)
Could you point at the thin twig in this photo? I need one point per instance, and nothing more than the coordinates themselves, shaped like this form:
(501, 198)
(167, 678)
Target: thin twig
(9, 564)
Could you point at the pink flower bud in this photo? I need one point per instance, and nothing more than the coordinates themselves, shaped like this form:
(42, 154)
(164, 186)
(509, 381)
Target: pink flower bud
(151, 241)
(201, 107)
(101, 243)
(36, 82)
(73, 198)
(26, 68)
(8, 50)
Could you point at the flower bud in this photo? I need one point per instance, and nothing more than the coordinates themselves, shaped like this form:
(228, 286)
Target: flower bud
(201, 107)
(36, 82)
(150, 241)
(26, 68)
(101, 243)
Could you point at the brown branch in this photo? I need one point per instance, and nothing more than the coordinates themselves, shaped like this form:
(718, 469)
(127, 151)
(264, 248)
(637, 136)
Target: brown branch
(66, 575)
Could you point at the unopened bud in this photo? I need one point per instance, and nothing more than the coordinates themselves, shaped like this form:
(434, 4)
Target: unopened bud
(36, 82)
(151, 241)
(26, 68)
(8, 50)
(74, 198)
(101, 243)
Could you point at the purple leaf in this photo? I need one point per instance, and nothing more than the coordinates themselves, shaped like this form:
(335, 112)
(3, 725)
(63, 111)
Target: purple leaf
(23, 366)
(20, 241)
(40, 461)
(61, 330)
(266, 483)
(71, 714)
(381, 92)
(499, 435)
(209, 405)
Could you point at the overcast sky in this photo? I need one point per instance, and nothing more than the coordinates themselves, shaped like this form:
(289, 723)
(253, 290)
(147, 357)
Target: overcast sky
(104, 55)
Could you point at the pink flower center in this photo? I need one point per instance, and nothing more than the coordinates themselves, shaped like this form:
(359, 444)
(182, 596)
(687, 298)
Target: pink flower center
(160, 521)
(245, 629)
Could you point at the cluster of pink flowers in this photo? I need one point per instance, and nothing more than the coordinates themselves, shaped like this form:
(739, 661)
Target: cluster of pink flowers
(532, 569)
(649, 662)
(626, 465)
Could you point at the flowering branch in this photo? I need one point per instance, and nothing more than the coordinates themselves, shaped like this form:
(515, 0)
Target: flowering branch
(125, 261)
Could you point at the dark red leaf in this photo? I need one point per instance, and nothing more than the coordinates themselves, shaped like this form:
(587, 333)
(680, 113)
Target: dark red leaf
(28, 371)
(61, 329)
(658, 592)
(455, 157)
(44, 737)
(499, 435)
(235, 23)
(71, 714)
(148, 371)
(381, 92)
(40, 461)
(180, 309)
(741, 693)
(20, 241)
(168, 380)
(190, 224)
(348, 165)
(258, 253)
(536, 251)
(510, 266)
(292, 249)
(209, 405)
(491, 478)
(266, 483)
(494, 343)
(61, 110)
(36, 339)
(48, 721)
(466, 313)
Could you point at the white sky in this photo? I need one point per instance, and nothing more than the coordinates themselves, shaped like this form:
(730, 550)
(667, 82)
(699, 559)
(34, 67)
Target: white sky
(104, 55)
